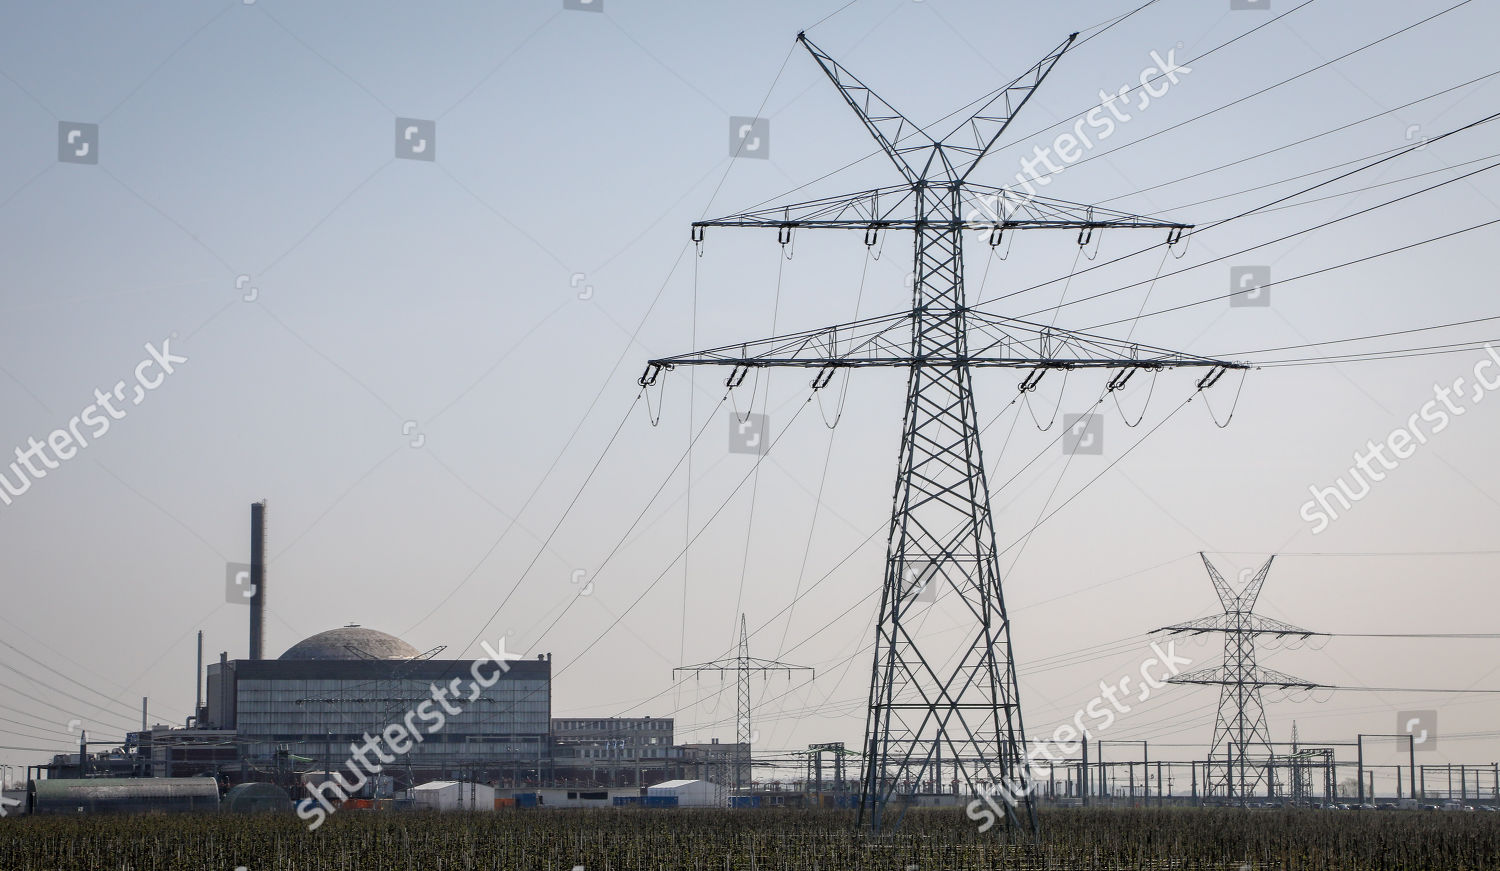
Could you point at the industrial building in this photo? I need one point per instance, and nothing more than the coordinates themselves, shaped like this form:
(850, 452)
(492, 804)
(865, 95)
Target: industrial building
(168, 751)
(299, 719)
(620, 751)
(332, 690)
(714, 761)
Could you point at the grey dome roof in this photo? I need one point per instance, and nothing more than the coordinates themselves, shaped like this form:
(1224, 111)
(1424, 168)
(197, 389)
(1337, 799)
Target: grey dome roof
(352, 642)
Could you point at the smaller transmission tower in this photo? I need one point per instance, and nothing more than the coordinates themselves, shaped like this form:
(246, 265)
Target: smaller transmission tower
(388, 689)
(743, 664)
(1240, 758)
(381, 697)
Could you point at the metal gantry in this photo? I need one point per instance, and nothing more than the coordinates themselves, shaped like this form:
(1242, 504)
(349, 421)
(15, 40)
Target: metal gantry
(1241, 750)
(944, 712)
(1300, 766)
(743, 664)
(814, 773)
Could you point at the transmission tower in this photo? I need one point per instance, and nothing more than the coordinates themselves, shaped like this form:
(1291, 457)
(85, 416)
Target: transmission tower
(388, 689)
(940, 698)
(1241, 750)
(744, 665)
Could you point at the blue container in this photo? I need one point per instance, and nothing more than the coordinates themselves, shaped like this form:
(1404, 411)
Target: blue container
(625, 800)
(526, 799)
(744, 801)
(659, 801)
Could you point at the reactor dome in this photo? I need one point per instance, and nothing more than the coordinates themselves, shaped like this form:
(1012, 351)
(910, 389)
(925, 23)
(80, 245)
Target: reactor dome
(352, 642)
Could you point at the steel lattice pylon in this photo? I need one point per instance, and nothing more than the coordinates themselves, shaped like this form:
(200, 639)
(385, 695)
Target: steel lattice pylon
(942, 713)
(743, 664)
(1241, 750)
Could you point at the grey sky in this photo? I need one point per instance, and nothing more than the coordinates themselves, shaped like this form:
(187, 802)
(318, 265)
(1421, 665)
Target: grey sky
(572, 151)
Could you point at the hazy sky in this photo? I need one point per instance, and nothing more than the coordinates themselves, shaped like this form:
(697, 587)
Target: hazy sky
(398, 353)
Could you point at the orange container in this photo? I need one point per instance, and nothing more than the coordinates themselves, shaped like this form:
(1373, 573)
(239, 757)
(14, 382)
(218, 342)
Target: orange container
(505, 804)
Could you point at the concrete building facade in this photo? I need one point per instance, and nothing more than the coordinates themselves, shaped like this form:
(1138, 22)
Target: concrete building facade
(621, 751)
(331, 690)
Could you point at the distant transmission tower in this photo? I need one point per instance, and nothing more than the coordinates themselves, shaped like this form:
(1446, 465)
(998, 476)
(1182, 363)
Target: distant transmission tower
(388, 689)
(1241, 751)
(744, 665)
(943, 690)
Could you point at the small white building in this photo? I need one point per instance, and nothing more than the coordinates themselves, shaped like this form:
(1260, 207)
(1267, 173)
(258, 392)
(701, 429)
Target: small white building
(599, 797)
(689, 793)
(453, 795)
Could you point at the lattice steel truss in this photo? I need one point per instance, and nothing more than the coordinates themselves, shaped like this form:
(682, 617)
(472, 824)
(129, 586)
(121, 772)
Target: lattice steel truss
(1241, 748)
(743, 665)
(389, 689)
(1300, 766)
(943, 715)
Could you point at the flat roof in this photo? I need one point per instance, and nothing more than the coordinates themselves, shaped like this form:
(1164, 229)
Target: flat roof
(440, 670)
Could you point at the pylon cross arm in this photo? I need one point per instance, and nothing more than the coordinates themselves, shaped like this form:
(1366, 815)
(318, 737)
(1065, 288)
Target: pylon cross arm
(981, 209)
(1255, 677)
(1250, 624)
(890, 341)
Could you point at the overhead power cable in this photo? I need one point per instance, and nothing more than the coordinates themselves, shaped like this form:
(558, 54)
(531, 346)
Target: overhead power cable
(1238, 354)
(1302, 232)
(1356, 261)
(1239, 216)
(1303, 141)
(109, 699)
(1268, 88)
(1395, 354)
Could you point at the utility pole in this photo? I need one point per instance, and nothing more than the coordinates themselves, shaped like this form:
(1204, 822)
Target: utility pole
(1241, 727)
(743, 664)
(930, 688)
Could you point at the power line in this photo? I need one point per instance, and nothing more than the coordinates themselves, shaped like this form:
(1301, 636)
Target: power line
(49, 668)
(1303, 141)
(823, 19)
(1408, 690)
(1372, 553)
(1255, 210)
(1399, 354)
(33, 698)
(1477, 635)
(1356, 261)
(1294, 78)
(1369, 337)
(1332, 221)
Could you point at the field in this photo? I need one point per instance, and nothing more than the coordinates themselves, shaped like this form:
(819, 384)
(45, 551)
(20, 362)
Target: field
(643, 840)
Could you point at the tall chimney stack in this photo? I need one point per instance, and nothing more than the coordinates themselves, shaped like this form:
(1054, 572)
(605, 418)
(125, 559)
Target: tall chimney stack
(198, 683)
(257, 578)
